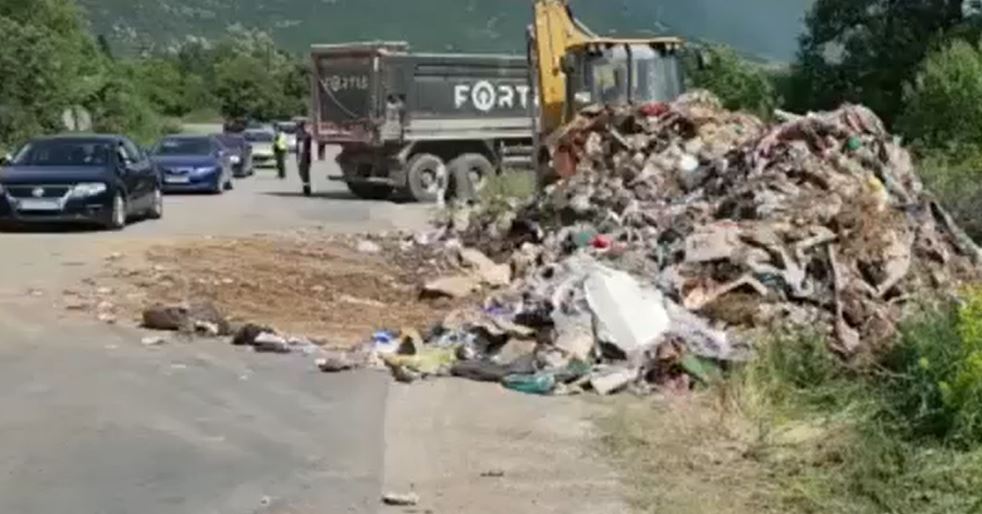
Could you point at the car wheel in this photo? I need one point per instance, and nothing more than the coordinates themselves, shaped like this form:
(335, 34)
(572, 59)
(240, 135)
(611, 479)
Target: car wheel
(426, 177)
(117, 217)
(469, 173)
(157, 207)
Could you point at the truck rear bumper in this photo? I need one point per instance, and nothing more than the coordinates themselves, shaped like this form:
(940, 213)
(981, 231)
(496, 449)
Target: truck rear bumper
(370, 165)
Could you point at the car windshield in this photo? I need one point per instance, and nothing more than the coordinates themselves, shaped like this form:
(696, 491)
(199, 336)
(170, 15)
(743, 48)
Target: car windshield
(289, 128)
(184, 146)
(60, 152)
(259, 137)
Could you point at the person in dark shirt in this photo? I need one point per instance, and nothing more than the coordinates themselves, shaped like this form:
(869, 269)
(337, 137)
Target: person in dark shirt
(304, 156)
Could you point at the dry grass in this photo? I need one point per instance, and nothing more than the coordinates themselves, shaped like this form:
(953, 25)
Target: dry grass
(688, 456)
(792, 432)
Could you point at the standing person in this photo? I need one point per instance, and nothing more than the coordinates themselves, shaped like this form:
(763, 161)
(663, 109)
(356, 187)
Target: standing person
(304, 155)
(280, 148)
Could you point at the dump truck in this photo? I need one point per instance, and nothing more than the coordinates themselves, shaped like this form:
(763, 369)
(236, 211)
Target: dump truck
(420, 124)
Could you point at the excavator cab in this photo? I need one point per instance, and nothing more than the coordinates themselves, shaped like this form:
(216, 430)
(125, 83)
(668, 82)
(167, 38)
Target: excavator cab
(617, 73)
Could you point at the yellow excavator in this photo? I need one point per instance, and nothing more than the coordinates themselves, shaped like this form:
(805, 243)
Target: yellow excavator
(572, 67)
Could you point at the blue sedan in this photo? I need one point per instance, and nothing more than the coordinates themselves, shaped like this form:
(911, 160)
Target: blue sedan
(94, 179)
(193, 164)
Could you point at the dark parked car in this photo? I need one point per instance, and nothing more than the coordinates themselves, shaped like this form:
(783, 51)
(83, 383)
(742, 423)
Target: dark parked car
(101, 179)
(193, 163)
(240, 154)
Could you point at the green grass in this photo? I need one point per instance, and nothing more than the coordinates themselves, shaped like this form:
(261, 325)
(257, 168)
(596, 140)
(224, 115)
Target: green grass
(510, 184)
(797, 431)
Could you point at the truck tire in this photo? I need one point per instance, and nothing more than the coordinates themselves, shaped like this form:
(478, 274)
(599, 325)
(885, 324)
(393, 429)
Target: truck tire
(369, 191)
(426, 177)
(469, 172)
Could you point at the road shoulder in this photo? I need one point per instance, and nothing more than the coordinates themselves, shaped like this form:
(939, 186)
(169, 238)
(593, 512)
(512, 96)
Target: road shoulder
(473, 448)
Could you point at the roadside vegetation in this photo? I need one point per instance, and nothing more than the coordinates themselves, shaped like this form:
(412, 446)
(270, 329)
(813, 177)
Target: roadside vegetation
(51, 62)
(797, 430)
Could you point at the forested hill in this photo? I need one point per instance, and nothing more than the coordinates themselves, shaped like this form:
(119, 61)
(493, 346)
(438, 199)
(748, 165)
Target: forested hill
(767, 28)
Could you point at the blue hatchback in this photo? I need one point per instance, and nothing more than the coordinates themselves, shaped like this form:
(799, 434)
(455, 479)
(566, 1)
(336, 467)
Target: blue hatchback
(190, 163)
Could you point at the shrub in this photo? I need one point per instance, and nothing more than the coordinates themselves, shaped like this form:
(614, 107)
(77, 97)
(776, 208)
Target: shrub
(942, 105)
(934, 388)
(740, 84)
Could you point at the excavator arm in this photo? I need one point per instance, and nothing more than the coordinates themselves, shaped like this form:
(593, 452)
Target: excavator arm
(554, 32)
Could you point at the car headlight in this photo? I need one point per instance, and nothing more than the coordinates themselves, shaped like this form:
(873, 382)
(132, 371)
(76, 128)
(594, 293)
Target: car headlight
(204, 170)
(88, 189)
(235, 159)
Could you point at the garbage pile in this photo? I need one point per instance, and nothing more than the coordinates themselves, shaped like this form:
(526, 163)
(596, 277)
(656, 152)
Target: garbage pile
(678, 230)
(820, 220)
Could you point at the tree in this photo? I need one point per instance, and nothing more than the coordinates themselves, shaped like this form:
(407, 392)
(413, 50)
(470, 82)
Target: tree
(944, 102)
(32, 93)
(244, 89)
(740, 84)
(104, 47)
(866, 50)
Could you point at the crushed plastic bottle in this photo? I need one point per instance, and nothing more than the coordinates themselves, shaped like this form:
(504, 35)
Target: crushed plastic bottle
(540, 383)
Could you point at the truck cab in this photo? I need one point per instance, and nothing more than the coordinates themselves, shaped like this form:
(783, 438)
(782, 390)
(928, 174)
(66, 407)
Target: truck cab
(618, 73)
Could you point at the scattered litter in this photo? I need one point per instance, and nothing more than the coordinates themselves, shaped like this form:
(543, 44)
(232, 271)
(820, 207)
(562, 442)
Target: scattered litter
(153, 341)
(369, 247)
(538, 383)
(247, 334)
(493, 473)
(207, 328)
(186, 318)
(401, 499)
(609, 380)
(268, 342)
(335, 362)
(459, 286)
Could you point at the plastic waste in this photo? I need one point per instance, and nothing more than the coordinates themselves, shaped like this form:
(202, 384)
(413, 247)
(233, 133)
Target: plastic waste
(702, 370)
(385, 342)
(541, 383)
(428, 361)
(631, 317)
(584, 238)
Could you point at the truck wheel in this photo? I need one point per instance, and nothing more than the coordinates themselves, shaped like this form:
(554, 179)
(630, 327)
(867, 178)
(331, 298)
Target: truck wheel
(426, 177)
(370, 191)
(470, 172)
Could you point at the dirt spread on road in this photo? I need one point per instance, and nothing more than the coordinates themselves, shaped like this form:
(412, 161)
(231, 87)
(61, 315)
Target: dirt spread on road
(308, 284)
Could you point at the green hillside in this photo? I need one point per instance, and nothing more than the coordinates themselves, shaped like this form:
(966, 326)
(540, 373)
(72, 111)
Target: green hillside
(762, 27)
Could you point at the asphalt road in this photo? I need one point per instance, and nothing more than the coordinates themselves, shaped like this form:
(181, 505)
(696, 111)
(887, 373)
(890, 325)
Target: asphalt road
(95, 423)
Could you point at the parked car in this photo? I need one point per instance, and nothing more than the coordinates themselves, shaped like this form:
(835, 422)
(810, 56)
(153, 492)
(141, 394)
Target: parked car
(98, 179)
(290, 129)
(193, 163)
(262, 146)
(240, 153)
